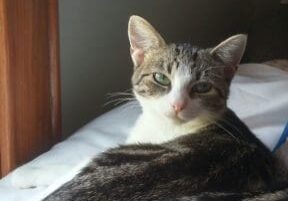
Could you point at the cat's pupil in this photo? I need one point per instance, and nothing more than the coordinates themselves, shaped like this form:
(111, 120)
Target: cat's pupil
(202, 87)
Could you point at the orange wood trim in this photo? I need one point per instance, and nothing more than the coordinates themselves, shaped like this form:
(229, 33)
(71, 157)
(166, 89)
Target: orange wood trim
(30, 109)
(54, 44)
(6, 108)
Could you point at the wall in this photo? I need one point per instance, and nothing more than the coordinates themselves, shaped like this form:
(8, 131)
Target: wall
(95, 56)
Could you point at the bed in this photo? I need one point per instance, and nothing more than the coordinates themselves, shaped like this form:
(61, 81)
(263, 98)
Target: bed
(259, 96)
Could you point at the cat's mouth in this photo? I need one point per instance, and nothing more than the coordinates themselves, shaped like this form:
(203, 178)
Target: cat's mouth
(178, 117)
(186, 116)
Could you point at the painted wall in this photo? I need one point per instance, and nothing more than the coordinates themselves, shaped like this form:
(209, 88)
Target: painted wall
(94, 45)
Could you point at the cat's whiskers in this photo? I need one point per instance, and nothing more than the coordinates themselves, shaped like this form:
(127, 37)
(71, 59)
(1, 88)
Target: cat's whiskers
(124, 93)
(119, 101)
(232, 125)
(120, 97)
(227, 131)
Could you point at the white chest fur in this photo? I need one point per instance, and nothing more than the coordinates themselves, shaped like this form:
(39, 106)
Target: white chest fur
(151, 128)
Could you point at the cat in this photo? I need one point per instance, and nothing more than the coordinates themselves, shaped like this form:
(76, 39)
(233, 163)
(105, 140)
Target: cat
(202, 151)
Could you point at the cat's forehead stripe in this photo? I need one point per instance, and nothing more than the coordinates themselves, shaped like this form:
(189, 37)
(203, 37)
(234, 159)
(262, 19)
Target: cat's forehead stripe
(184, 54)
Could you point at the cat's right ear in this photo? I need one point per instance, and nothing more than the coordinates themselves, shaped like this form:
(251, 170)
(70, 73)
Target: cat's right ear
(143, 37)
(230, 52)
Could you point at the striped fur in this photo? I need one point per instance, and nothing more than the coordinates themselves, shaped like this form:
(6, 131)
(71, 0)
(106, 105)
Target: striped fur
(221, 161)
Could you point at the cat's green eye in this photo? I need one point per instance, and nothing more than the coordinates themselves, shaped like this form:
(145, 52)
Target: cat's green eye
(161, 79)
(202, 87)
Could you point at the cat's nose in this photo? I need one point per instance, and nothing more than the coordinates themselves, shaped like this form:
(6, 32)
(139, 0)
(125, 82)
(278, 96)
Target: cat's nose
(178, 106)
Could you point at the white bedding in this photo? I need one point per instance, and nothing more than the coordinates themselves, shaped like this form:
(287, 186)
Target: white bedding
(259, 95)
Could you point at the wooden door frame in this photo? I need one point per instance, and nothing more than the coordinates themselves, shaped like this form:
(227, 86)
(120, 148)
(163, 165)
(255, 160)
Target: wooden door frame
(30, 105)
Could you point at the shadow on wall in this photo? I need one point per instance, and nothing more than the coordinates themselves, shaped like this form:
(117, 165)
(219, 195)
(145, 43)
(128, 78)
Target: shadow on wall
(95, 56)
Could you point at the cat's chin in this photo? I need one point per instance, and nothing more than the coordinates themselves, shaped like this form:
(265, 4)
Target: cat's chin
(178, 118)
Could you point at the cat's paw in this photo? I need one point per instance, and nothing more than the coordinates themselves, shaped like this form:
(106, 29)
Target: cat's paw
(33, 176)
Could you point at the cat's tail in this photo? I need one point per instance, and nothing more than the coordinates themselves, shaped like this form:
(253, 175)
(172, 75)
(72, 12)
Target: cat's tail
(281, 195)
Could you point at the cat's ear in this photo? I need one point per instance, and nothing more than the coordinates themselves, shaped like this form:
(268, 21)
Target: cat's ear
(231, 50)
(142, 37)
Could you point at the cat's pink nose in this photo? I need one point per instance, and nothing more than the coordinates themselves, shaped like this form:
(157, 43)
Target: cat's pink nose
(179, 106)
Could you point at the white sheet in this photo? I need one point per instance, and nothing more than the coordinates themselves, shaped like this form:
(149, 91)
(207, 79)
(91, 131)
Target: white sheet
(259, 95)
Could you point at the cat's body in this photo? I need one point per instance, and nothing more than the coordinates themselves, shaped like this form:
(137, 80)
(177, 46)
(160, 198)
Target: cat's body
(211, 160)
(192, 147)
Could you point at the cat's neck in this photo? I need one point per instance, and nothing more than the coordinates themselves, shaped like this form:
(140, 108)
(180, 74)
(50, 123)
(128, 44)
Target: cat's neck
(153, 128)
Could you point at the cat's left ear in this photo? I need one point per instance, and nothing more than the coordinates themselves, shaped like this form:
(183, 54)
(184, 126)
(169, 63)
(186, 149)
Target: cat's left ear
(143, 37)
(230, 52)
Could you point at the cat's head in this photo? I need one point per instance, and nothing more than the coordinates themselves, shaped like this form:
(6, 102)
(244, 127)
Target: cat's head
(180, 81)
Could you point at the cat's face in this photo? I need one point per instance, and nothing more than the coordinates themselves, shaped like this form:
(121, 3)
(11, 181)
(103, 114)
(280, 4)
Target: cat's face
(179, 81)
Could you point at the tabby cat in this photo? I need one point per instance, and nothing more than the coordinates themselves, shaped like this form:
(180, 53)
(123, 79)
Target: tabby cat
(186, 145)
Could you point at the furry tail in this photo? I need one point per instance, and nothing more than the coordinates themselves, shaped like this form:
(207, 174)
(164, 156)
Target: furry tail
(281, 195)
